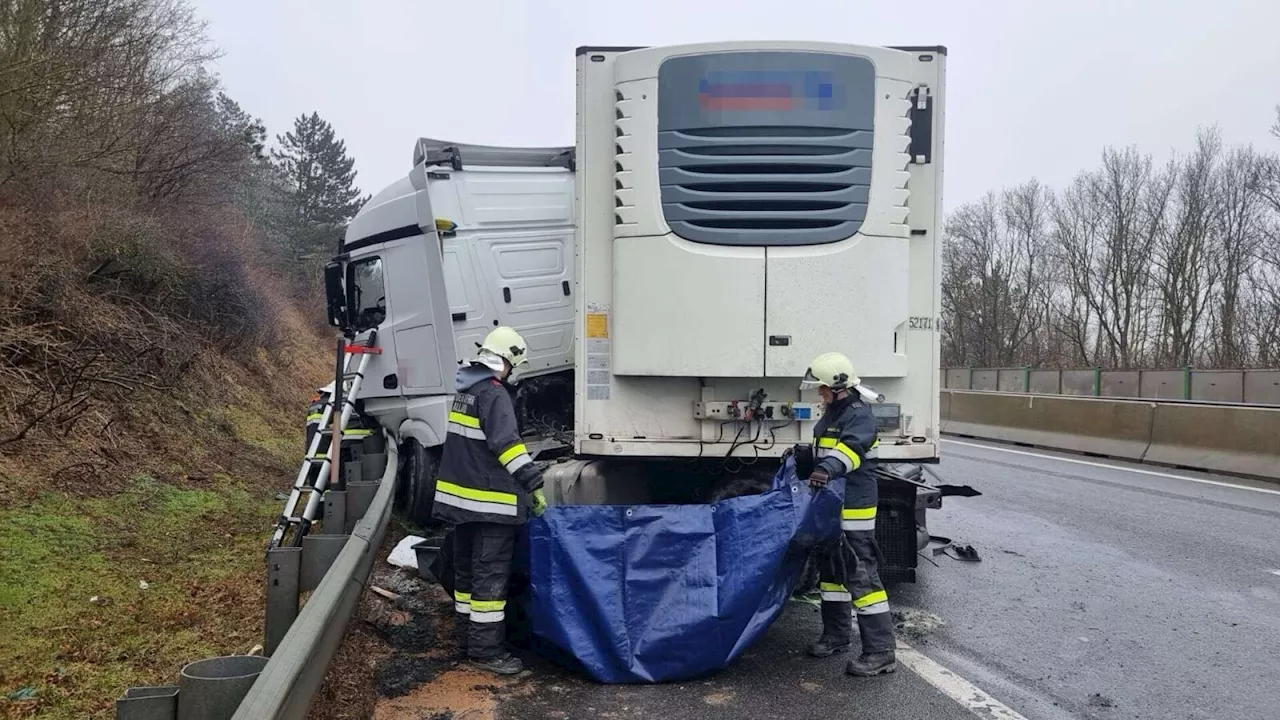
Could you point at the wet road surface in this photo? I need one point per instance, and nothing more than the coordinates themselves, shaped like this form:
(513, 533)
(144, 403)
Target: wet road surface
(1106, 593)
(1102, 593)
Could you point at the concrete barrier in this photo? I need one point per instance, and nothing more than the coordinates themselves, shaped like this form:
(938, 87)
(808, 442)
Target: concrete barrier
(1241, 440)
(1087, 425)
(1236, 439)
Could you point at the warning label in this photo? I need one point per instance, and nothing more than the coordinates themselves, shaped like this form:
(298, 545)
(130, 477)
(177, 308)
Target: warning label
(597, 325)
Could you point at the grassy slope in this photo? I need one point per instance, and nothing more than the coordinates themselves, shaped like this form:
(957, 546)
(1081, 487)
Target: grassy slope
(183, 504)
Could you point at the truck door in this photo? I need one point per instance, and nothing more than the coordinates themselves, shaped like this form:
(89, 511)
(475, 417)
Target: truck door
(469, 309)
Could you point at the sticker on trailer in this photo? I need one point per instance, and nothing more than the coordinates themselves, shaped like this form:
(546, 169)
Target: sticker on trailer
(599, 368)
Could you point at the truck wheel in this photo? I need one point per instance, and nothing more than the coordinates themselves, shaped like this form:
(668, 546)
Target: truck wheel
(417, 488)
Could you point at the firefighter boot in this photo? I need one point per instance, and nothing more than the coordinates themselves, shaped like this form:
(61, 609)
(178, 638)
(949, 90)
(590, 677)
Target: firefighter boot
(837, 627)
(505, 664)
(874, 663)
(828, 646)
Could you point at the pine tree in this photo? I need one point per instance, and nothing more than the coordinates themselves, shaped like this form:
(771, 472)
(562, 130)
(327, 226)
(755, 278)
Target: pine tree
(321, 176)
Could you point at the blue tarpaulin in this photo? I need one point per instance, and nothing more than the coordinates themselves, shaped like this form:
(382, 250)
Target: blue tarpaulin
(652, 593)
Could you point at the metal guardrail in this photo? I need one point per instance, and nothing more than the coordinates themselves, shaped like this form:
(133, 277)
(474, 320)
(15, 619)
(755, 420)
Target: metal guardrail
(288, 684)
(301, 643)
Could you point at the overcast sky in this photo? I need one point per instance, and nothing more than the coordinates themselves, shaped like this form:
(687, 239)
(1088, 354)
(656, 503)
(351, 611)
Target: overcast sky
(1035, 88)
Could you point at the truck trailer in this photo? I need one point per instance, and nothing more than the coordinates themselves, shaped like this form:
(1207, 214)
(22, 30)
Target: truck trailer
(737, 209)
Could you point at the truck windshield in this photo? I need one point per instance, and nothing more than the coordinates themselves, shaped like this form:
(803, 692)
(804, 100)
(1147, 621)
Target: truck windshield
(366, 292)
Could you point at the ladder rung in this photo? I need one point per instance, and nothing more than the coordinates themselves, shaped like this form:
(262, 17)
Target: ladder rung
(349, 433)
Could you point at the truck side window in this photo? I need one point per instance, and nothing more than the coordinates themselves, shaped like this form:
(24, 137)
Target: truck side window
(367, 292)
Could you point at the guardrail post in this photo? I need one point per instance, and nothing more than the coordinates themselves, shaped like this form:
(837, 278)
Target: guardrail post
(318, 553)
(159, 702)
(1097, 381)
(1186, 382)
(969, 386)
(284, 573)
(359, 496)
(1026, 378)
(335, 513)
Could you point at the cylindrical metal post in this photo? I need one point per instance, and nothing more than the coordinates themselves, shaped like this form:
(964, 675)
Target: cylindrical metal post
(211, 689)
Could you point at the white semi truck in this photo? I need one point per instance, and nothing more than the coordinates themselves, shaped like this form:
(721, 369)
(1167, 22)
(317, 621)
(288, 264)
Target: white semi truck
(738, 208)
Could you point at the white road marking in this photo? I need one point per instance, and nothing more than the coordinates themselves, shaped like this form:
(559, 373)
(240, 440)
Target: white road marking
(1109, 466)
(1275, 572)
(955, 687)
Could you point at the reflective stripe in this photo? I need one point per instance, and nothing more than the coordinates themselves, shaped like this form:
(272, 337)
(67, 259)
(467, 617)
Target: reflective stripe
(855, 519)
(462, 607)
(476, 505)
(315, 416)
(466, 432)
(492, 496)
(357, 432)
(871, 598)
(488, 605)
(512, 453)
(488, 617)
(519, 462)
(845, 453)
(834, 592)
(876, 609)
(462, 419)
(461, 596)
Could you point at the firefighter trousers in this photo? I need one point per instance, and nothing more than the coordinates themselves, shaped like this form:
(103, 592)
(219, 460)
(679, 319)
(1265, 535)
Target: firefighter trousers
(482, 566)
(850, 585)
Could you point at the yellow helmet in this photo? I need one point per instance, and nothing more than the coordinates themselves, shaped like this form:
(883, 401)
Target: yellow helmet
(833, 369)
(506, 344)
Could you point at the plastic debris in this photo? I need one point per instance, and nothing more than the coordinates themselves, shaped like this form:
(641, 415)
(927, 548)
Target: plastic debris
(402, 555)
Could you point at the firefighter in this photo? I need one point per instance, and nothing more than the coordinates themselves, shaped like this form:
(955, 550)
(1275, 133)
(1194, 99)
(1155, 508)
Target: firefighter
(487, 485)
(844, 443)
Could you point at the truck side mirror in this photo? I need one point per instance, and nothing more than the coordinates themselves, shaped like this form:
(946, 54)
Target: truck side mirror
(335, 296)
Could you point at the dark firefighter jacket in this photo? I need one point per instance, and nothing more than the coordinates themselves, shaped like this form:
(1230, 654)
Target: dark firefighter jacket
(486, 474)
(844, 443)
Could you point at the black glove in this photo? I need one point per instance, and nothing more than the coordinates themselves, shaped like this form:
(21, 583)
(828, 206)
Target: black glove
(818, 479)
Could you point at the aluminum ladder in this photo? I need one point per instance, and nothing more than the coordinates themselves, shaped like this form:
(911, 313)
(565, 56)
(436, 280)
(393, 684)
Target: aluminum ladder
(357, 356)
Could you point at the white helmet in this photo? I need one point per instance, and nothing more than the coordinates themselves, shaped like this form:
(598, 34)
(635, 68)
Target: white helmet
(503, 343)
(833, 369)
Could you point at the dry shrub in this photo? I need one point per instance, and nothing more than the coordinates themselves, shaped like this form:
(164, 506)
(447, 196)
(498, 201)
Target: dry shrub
(111, 313)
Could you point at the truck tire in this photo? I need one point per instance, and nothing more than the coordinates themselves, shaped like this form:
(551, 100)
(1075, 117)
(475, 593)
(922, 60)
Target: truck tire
(417, 488)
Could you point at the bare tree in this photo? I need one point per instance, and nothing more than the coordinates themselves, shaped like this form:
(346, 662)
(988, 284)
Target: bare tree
(994, 289)
(1183, 266)
(1241, 231)
(1106, 232)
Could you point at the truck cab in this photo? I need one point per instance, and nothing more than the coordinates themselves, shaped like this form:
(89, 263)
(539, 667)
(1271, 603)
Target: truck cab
(472, 238)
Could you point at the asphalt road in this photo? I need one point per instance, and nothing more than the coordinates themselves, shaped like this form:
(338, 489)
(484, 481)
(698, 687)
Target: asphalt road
(1102, 593)
(1106, 593)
